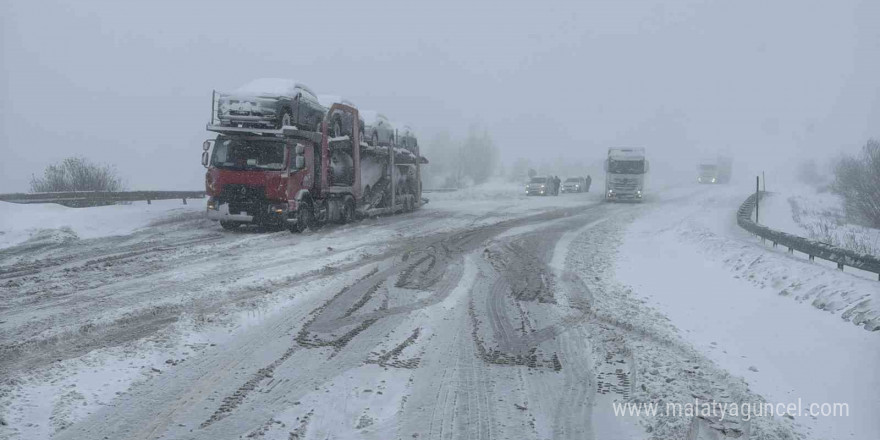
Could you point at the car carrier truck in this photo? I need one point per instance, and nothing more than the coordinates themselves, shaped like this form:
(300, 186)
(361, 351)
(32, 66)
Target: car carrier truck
(625, 172)
(298, 179)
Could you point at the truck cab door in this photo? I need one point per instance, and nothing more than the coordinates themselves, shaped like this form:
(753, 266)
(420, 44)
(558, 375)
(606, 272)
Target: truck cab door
(299, 176)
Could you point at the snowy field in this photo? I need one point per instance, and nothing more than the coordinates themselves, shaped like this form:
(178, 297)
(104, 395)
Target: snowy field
(819, 216)
(485, 314)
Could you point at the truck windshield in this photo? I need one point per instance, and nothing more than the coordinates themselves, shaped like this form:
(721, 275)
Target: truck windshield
(707, 168)
(626, 166)
(248, 154)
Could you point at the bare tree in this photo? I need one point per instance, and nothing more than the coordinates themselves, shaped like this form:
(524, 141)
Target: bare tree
(479, 156)
(77, 174)
(857, 180)
(457, 164)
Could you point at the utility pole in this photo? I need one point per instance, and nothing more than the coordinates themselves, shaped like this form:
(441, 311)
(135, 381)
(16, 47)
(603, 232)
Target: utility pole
(757, 195)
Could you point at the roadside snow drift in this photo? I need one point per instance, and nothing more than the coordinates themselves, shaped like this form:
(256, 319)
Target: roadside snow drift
(52, 222)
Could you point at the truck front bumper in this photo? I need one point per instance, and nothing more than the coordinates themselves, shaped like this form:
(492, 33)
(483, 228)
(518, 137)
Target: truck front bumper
(262, 213)
(630, 196)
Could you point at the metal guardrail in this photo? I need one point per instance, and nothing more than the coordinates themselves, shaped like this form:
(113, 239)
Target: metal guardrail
(93, 198)
(439, 190)
(813, 249)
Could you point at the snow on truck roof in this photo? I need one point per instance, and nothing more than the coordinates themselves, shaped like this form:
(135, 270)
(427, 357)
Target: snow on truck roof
(271, 86)
(626, 153)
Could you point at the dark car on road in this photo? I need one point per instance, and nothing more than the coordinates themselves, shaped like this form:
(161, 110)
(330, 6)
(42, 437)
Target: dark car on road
(271, 103)
(574, 185)
(542, 186)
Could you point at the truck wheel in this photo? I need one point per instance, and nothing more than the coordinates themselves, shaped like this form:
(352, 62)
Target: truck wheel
(303, 219)
(286, 118)
(229, 226)
(347, 215)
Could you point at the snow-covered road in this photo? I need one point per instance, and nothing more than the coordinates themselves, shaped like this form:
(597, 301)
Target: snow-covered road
(484, 315)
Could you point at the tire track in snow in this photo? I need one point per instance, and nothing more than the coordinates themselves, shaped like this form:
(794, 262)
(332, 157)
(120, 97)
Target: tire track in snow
(303, 370)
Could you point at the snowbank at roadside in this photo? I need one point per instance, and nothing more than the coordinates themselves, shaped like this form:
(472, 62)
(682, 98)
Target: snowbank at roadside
(492, 190)
(732, 298)
(818, 216)
(774, 211)
(53, 222)
(496, 197)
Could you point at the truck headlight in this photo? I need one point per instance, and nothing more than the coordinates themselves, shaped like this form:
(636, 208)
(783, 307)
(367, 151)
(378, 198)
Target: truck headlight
(713, 180)
(700, 179)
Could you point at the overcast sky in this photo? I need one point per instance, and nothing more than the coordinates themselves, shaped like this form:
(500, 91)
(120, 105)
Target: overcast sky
(129, 83)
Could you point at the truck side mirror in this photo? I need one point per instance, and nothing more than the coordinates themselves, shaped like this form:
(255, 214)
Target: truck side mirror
(605, 165)
(300, 149)
(205, 159)
(300, 162)
(206, 145)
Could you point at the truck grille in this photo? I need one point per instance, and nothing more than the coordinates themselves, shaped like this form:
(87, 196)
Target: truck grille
(625, 184)
(242, 198)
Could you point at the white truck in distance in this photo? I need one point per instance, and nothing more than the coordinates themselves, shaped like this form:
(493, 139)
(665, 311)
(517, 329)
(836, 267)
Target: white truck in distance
(625, 172)
(715, 170)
